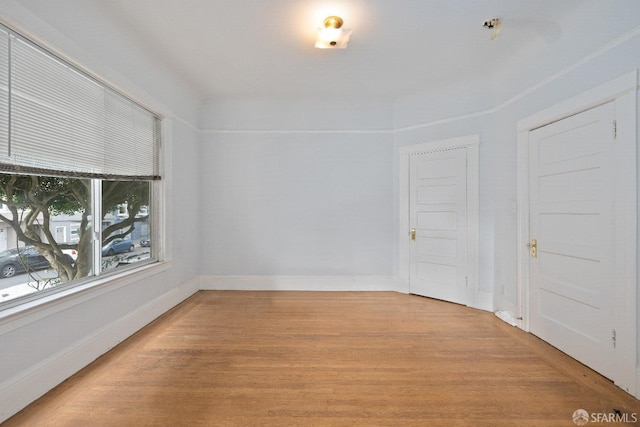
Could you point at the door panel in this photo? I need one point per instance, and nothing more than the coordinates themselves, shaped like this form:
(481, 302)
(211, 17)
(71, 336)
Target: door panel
(571, 218)
(437, 200)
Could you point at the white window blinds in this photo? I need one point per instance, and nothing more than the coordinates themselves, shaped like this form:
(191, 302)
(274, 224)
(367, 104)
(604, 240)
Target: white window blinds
(4, 92)
(58, 120)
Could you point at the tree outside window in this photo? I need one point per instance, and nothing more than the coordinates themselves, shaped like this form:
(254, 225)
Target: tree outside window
(35, 210)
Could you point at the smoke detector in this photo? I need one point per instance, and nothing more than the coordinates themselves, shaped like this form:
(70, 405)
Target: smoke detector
(495, 25)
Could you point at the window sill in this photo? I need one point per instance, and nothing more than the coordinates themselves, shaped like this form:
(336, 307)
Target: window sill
(31, 311)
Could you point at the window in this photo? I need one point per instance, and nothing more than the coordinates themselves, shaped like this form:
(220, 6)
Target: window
(125, 223)
(79, 169)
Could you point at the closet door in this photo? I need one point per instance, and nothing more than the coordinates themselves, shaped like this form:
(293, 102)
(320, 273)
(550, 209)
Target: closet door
(438, 221)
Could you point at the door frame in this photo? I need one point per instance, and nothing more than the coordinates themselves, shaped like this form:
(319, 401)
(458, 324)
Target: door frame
(623, 92)
(471, 144)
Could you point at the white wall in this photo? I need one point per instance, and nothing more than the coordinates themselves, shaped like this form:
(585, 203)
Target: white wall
(43, 346)
(299, 190)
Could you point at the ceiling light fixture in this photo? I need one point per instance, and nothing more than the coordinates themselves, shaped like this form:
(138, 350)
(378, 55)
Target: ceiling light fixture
(332, 35)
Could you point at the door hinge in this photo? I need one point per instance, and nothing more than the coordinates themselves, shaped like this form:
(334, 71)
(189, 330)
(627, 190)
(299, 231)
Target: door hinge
(613, 338)
(615, 129)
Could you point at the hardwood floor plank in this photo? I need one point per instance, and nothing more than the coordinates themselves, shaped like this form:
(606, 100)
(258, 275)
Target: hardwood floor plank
(327, 359)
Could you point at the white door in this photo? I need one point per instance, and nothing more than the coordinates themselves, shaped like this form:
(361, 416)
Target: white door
(571, 227)
(438, 221)
(61, 234)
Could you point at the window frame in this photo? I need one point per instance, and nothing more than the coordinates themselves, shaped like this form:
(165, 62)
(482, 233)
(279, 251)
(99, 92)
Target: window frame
(61, 297)
(98, 275)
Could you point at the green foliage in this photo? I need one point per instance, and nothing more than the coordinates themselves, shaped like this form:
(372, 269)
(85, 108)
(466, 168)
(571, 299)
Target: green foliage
(58, 195)
(115, 193)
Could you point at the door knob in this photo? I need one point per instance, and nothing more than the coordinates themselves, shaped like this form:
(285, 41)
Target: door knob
(533, 248)
(413, 234)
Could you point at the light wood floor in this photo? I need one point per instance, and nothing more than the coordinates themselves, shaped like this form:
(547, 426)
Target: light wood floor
(327, 359)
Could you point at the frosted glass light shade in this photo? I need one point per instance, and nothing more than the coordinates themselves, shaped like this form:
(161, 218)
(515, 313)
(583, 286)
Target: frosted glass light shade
(333, 38)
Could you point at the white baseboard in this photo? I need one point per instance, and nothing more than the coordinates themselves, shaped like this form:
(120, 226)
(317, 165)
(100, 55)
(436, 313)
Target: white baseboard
(631, 385)
(484, 300)
(19, 391)
(300, 283)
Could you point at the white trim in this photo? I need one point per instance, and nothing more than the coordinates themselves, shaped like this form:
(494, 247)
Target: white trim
(299, 283)
(473, 227)
(182, 120)
(297, 131)
(471, 143)
(449, 119)
(584, 60)
(599, 95)
(440, 145)
(404, 265)
(40, 308)
(622, 91)
(522, 224)
(624, 153)
(27, 386)
(162, 193)
(635, 32)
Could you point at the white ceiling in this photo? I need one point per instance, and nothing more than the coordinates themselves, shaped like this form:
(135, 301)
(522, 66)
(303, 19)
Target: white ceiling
(242, 49)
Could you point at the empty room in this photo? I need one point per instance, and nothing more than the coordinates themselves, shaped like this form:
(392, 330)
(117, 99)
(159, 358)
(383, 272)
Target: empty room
(319, 213)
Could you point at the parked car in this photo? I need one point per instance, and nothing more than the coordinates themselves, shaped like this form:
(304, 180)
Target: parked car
(71, 253)
(145, 242)
(117, 246)
(21, 260)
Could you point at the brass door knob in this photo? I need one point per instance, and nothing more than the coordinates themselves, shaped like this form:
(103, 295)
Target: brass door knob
(533, 248)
